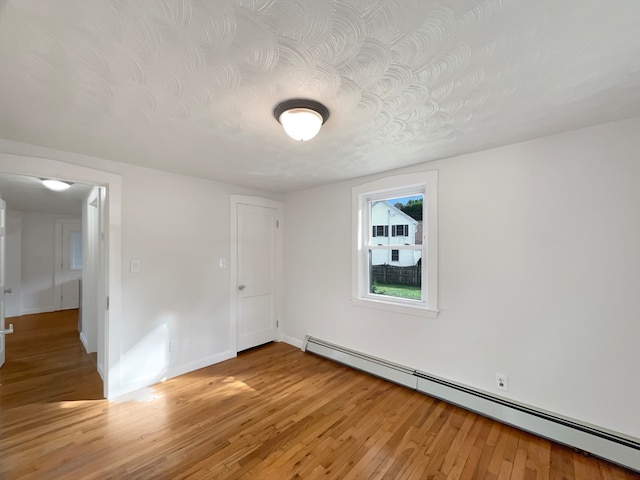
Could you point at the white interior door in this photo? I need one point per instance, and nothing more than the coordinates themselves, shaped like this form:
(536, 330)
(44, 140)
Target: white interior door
(3, 218)
(257, 272)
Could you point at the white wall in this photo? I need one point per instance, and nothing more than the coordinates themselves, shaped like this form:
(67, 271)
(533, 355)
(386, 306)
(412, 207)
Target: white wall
(178, 227)
(13, 264)
(38, 262)
(38, 252)
(539, 275)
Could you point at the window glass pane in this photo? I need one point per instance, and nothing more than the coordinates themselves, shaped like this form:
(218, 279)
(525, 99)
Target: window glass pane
(75, 255)
(403, 279)
(396, 221)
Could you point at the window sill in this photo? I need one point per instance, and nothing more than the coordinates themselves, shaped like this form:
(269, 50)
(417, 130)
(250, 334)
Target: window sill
(418, 311)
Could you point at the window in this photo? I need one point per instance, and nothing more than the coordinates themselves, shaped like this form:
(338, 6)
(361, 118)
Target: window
(75, 251)
(405, 205)
(380, 231)
(400, 230)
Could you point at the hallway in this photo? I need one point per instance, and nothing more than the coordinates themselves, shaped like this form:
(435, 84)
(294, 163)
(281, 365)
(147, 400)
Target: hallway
(46, 362)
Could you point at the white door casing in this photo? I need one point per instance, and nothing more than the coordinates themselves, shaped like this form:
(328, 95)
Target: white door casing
(102, 280)
(256, 270)
(3, 222)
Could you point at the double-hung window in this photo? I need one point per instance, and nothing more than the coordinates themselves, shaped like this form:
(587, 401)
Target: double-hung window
(395, 244)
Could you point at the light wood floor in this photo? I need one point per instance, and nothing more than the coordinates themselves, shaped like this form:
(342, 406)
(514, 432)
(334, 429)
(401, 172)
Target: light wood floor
(272, 413)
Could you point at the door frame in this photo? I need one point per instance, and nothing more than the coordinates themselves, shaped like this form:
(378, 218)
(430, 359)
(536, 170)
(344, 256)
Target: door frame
(3, 266)
(44, 167)
(234, 201)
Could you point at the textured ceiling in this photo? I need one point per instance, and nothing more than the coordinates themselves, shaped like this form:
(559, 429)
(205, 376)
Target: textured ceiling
(189, 86)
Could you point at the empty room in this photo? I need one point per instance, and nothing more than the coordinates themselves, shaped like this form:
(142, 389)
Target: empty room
(304, 239)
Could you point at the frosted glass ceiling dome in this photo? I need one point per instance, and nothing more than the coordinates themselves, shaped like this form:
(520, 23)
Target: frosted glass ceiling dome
(301, 118)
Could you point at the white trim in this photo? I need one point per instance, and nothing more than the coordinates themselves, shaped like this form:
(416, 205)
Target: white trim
(39, 167)
(397, 186)
(296, 342)
(234, 201)
(408, 309)
(84, 341)
(199, 363)
(33, 311)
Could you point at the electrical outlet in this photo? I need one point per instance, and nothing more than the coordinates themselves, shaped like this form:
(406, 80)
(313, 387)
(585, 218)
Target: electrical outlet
(173, 345)
(185, 343)
(502, 382)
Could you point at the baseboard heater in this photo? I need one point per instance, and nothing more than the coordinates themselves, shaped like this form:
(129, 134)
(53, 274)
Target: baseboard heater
(611, 446)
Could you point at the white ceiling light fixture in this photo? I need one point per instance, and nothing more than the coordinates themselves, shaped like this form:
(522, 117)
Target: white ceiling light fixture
(301, 118)
(55, 185)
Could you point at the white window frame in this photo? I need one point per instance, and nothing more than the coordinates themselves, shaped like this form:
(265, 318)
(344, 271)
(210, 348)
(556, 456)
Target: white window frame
(425, 183)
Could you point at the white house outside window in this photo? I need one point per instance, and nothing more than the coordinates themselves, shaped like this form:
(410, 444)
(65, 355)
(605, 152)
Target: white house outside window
(395, 243)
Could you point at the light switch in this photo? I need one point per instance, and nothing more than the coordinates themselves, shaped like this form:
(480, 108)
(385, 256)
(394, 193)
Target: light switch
(135, 266)
(222, 263)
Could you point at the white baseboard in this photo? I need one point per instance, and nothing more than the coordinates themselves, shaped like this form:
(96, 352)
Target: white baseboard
(145, 384)
(33, 311)
(296, 342)
(85, 342)
(200, 363)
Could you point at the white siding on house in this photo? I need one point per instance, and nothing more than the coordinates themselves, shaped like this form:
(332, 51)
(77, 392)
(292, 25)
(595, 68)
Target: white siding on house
(387, 216)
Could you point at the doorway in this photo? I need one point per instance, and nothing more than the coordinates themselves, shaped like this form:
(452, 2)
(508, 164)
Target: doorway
(109, 285)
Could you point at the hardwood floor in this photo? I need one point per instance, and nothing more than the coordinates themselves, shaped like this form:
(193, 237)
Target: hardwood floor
(272, 413)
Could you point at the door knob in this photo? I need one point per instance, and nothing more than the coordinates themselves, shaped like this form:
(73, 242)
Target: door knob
(8, 290)
(241, 287)
(7, 331)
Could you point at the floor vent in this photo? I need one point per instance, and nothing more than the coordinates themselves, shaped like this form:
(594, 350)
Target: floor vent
(610, 446)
